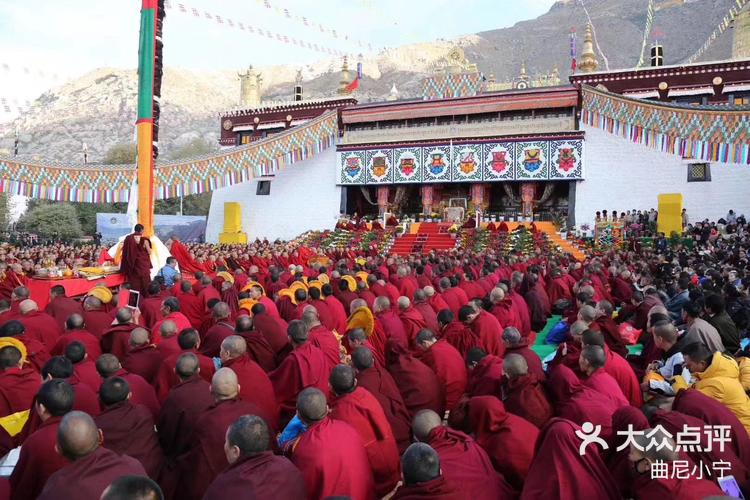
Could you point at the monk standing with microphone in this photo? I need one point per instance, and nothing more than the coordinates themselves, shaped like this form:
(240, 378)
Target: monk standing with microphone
(136, 259)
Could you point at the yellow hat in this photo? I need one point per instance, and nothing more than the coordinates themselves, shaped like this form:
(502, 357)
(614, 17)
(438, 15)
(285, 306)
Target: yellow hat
(361, 261)
(102, 293)
(351, 282)
(297, 285)
(361, 318)
(247, 304)
(362, 275)
(315, 284)
(227, 277)
(286, 292)
(323, 278)
(251, 284)
(12, 342)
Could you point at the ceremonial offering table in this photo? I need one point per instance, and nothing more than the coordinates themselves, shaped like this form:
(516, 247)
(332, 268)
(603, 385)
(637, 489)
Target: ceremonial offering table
(74, 287)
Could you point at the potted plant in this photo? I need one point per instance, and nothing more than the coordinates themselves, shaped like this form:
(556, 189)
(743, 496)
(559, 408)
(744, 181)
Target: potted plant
(453, 231)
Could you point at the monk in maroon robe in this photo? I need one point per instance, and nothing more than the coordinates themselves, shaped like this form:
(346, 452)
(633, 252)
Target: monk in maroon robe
(486, 327)
(61, 307)
(254, 382)
(166, 378)
(84, 369)
(419, 386)
(142, 392)
(485, 373)
(618, 368)
(254, 471)
(592, 364)
(184, 403)
(143, 358)
(222, 328)
(206, 459)
(508, 440)
(411, 319)
(116, 338)
(428, 314)
(322, 337)
(271, 327)
(358, 407)
(96, 319)
(75, 332)
(559, 471)
(127, 429)
(523, 394)
(258, 348)
(423, 478)
(522, 311)
(341, 470)
(92, 467)
(19, 382)
(39, 325)
(456, 333)
(383, 387)
(462, 460)
(38, 459)
(306, 366)
(447, 364)
(516, 344)
(336, 308)
(135, 262)
(389, 321)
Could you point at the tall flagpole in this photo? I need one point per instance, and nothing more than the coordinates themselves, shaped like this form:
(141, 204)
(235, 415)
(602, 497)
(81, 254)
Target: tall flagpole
(145, 120)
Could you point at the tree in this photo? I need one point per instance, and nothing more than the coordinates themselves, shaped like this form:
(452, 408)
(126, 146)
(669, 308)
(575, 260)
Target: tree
(121, 154)
(52, 220)
(6, 207)
(196, 147)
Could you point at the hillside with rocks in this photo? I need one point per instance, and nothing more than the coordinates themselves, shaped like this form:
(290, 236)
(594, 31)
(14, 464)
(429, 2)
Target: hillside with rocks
(99, 107)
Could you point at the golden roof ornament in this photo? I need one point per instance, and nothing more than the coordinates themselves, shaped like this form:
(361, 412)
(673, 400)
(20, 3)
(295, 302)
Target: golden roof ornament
(588, 62)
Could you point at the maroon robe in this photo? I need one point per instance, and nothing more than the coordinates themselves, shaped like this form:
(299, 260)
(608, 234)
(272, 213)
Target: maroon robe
(36, 354)
(338, 312)
(455, 298)
(259, 350)
(85, 398)
(525, 396)
(622, 291)
(461, 337)
(192, 308)
(465, 463)
(262, 475)
(211, 343)
(620, 370)
(428, 315)
(179, 319)
(326, 341)
(557, 290)
(167, 378)
(37, 461)
(206, 459)
(97, 322)
(144, 361)
(61, 308)
(116, 339)
(603, 382)
(324, 313)
(341, 470)
(89, 476)
(506, 315)
(129, 430)
(485, 379)
(142, 393)
(413, 323)
(694, 402)
(450, 369)
(437, 489)
(533, 361)
(364, 413)
(42, 327)
(498, 432)
(490, 333)
(179, 413)
(306, 366)
(522, 312)
(392, 326)
(135, 263)
(539, 307)
(383, 387)
(273, 329)
(18, 387)
(560, 472)
(255, 387)
(85, 372)
(419, 386)
(89, 341)
(690, 488)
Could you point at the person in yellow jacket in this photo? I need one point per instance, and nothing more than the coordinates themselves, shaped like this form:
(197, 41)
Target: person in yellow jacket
(718, 376)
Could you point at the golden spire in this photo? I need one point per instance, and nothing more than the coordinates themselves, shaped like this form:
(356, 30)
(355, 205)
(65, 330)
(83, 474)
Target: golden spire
(345, 79)
(588, 56)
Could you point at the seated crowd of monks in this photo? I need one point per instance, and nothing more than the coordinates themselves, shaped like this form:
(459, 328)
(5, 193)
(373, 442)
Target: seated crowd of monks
(377, 378)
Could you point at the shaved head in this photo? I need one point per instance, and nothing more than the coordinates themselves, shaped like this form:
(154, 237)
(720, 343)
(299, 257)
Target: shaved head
(515, 365)
(77, 435)
(27, 306)
(234, 345)
(420, 463)
(187, 365)
(587, 313)
(139, 337)
(311, 405)
(133, 488)
(107, 365)
(404, 303)
(424, 422)
(357, 304)
(224, 384)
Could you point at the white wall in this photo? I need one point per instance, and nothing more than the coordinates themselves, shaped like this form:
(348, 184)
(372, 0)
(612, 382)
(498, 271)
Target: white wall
(621, 175)
(304, 196)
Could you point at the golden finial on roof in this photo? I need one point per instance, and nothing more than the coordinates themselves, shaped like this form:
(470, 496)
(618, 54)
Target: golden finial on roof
(588, 56)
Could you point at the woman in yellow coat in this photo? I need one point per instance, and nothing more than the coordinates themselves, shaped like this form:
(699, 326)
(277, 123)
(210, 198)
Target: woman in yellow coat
(718, 376)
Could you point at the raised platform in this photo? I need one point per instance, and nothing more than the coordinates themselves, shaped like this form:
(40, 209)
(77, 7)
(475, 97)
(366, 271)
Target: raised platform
(428, 236)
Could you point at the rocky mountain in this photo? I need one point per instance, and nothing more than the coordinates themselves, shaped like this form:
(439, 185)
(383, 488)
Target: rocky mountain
(99, 107)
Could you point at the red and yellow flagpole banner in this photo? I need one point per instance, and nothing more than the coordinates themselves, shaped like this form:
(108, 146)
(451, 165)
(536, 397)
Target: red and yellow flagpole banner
(148, 71)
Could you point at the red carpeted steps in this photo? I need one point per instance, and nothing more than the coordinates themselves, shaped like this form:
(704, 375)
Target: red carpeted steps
(429, 236)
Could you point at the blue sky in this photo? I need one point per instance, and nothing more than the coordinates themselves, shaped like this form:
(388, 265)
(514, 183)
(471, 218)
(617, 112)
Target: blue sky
(45, 42)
